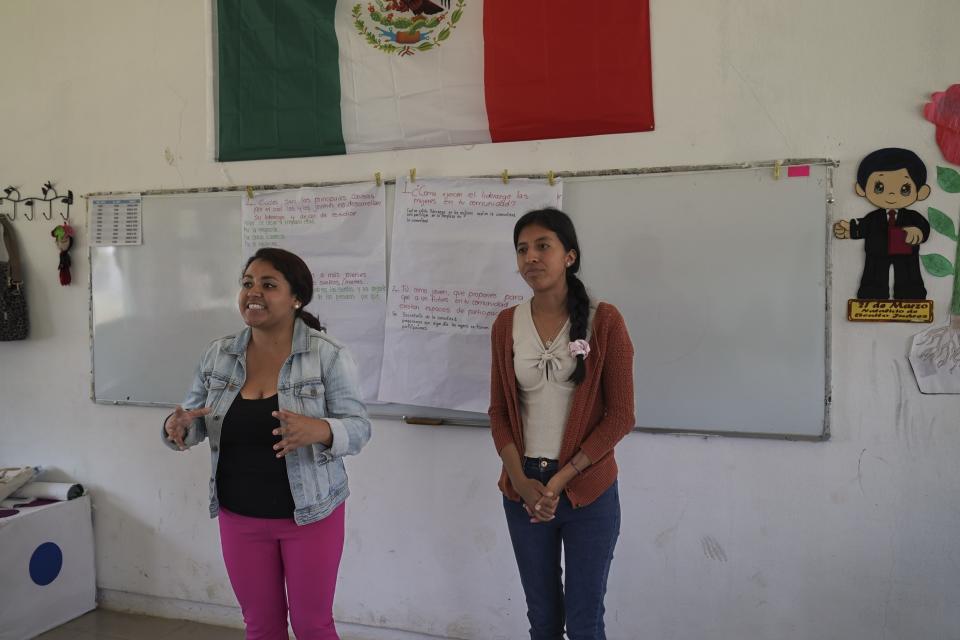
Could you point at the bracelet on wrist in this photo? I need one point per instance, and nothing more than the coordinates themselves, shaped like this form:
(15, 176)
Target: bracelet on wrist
(575, 467)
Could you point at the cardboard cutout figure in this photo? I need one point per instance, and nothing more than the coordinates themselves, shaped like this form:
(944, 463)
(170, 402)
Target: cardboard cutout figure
(890, 179)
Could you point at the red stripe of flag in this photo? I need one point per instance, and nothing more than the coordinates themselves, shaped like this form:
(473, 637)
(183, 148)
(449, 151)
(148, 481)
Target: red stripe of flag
(559, 68)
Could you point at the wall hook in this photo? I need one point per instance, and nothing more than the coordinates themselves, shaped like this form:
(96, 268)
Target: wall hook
(49, 196)
(46, 189)
(67, 200)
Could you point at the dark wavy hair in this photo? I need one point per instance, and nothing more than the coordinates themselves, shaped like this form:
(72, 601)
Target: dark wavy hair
(578, 302)
(892, 159)
(297, 273)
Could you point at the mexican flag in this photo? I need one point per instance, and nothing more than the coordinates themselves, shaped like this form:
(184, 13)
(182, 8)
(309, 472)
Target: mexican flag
(323, 77)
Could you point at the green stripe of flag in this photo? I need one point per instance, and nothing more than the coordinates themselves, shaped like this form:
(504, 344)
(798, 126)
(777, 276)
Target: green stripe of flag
(278, 80)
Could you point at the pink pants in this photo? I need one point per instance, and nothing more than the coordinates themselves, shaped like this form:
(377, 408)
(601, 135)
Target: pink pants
(262, 555)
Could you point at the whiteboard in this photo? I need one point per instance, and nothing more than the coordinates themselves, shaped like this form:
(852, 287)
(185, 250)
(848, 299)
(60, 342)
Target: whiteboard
(721, 275)
(155, 307)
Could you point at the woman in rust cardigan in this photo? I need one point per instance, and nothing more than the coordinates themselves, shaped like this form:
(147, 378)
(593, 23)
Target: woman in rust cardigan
(561, 397)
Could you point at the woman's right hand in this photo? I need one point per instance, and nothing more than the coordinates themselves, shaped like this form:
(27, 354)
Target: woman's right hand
(533, 492)
(179, 421)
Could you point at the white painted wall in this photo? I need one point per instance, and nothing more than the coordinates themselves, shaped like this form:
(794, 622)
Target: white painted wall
(854, 538)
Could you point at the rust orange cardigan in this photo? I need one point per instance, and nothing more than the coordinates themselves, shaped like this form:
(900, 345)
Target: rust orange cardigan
(601, 412)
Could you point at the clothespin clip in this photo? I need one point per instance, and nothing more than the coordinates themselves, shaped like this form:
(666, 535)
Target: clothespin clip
(777, 166)
(413, 174)
(505, 176)
(551, 177)
(249, 193)
(378, 179)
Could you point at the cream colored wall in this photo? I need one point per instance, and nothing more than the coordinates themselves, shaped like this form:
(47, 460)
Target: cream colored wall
(854, 538)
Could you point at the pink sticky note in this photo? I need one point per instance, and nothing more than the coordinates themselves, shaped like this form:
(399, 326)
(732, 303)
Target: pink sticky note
(798, 171)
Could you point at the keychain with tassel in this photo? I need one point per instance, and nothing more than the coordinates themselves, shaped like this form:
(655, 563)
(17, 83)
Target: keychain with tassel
(63, 234)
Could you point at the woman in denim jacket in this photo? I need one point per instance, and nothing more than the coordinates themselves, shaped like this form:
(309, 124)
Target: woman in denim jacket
(280, 404)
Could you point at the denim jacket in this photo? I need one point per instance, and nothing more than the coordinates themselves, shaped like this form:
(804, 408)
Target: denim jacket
(318, 380)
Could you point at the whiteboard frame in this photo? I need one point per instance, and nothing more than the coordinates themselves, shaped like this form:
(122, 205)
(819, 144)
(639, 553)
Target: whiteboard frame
(438, 417)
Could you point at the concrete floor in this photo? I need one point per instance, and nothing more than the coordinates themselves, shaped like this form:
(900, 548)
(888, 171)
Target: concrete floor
(101, 624)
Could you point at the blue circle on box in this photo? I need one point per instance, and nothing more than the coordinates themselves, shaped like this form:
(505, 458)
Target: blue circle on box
(45, 563)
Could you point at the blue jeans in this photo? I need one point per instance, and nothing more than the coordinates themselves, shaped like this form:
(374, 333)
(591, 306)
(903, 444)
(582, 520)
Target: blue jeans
(587, 536)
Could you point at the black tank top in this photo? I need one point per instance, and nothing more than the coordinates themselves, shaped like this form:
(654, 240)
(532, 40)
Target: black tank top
(251, 480)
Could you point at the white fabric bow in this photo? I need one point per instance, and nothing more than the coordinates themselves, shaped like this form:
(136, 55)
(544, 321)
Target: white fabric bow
(548, 361)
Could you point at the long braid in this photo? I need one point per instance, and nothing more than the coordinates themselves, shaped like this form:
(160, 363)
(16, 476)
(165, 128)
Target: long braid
(578, 306)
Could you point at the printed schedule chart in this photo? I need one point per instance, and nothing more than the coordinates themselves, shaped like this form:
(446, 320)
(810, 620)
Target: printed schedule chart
(116, 220)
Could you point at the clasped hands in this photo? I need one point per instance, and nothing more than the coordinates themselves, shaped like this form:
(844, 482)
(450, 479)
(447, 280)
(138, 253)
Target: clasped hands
(540, 501)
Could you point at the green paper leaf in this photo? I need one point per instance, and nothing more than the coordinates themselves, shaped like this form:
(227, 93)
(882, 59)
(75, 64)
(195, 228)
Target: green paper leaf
(936, 265)
(942, 223)
(948, 179)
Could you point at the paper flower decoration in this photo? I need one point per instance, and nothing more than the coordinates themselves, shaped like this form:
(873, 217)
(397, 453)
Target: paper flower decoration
(943, 110)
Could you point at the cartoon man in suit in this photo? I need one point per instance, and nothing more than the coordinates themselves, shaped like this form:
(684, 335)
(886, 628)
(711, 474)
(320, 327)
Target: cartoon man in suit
(891, 179)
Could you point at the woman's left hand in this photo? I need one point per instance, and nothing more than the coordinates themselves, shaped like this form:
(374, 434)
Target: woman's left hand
(298, 431)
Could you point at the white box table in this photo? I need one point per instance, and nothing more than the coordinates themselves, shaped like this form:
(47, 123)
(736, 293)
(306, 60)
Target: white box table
(46, 567)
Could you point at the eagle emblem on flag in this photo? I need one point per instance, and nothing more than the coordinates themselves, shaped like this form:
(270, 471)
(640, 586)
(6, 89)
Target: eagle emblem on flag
(406, 27)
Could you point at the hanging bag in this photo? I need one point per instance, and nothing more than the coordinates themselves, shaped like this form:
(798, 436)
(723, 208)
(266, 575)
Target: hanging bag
(14, 324)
